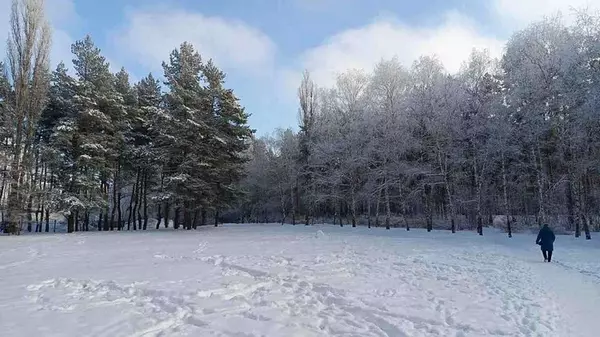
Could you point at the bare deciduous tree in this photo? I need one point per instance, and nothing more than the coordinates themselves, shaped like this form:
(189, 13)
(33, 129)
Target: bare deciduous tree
(28, 60)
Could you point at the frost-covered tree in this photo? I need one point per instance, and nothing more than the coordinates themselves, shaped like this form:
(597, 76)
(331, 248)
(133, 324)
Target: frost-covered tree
(479, 81)
(510, 142)
(56, 130)
(144, 131)
(308, 99)
(28, 65)
(98, 115)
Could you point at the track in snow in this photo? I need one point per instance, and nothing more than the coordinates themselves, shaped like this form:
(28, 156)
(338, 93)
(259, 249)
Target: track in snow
(294, 281)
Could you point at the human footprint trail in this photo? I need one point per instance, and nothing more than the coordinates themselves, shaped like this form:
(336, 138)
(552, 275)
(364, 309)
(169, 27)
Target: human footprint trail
(290, 281)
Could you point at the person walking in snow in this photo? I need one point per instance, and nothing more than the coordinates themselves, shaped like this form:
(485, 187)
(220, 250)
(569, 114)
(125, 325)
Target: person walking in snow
(546, 239)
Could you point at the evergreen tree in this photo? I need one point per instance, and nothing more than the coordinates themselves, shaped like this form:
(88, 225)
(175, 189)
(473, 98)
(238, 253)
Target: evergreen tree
(95, 135)
(229, 141)
(183, 142)
(57, 129)
(149, 104)
(123, 166)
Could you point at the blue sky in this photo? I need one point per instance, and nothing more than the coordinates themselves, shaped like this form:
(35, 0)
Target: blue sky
(263, 45)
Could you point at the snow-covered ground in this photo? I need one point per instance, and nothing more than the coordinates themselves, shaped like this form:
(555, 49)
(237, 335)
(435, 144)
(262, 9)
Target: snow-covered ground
(269, 280)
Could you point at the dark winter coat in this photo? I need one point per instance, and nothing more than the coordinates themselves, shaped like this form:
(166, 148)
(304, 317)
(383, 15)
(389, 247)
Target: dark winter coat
(546, 238)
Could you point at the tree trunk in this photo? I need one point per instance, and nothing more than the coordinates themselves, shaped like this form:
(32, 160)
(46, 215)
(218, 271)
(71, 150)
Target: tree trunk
(77, 221)
(106, 193)
(31, 190)
(195, 222)
(586, 228)
(570, 203)
(86, 222)
(538, 169)
(145, 199)
(39, 219)
(585, 193)
(478, 186)
(159, 204)
(388, 212)
(312, 205)
(297, 197)
(353, 206)
(576, 210)
(29, 206)
(377, 207)
(176, 218)
(428, 208)
(282, 202)
(443, 163)
(293, 206)
(42, 199)
(120, 224)
(335, 211)
(47, 220)
(133, 200)
(3, 187)
(70, 223)
(505, 195)
(38, 225)
(129, 213)
(340, 213)
(138, 200)
(369, 213)
(203, 218)
(450, 205)
(217, 217)
(106, 220)
(159, 214)
(14, 203)
(114, 197)
(167, 214)
(187, 221)
(404, 217)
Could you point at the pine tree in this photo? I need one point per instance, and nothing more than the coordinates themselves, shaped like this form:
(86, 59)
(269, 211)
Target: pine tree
(204, 137)
(149, 106)
(95, 141)
(230, 140)
(125, 120)
(58, 131)
(183, 141)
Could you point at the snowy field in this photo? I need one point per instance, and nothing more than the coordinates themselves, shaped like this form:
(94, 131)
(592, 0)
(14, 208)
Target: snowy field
(269, 280)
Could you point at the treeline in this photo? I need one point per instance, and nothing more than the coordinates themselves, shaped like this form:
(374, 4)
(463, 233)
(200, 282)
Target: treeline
(517, 137)
(108, 155)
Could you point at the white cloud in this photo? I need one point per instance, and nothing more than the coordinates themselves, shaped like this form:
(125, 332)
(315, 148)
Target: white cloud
(60, 13)
(61, 48)
(452, 41)
(519, 13)
(150, 35)
(363, 47)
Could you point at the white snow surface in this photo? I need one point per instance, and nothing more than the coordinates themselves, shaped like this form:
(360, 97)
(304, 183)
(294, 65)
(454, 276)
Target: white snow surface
(272, 280)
